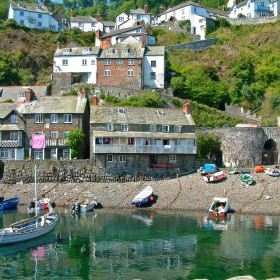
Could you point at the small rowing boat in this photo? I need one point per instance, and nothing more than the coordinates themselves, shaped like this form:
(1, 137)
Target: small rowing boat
(219, 207)
(246, 179)
(211, 178)
(143, 197)
(9, 203)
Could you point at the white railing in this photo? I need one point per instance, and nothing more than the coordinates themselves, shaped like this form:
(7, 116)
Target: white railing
(133, 149)
(11, 143)
(53, 142)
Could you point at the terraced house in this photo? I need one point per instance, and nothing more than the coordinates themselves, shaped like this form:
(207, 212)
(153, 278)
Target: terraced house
(138, 138)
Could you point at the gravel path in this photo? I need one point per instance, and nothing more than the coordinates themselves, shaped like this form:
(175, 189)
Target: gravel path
(189, 193)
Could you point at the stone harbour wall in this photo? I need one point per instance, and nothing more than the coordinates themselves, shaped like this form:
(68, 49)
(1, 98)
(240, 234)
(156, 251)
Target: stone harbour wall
(251, 21)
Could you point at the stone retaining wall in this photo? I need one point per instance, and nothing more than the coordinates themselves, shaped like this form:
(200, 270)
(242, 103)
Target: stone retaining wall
(195, 46)
(251, 21)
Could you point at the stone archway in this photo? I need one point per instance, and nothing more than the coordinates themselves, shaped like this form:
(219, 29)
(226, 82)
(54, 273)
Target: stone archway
(270, 153)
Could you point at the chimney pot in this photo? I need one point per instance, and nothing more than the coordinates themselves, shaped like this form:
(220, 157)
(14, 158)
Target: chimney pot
(84, 93)
(94, 100)
(187, 108)
(161, 10)
(59, 9)
(50, 9)
(72, 13)
(58, 45)
(43, 3)
(98, 18)
(145, 8)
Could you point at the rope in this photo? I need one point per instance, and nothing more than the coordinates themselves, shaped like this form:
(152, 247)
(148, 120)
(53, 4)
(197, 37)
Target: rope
(180, 189)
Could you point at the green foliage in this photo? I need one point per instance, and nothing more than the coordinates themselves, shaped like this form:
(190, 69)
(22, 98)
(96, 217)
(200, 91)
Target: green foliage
(8, 101)
(72, 92)
(222, 22)
(207, 145)
(177, 102)
(75, 141)
(274, 100)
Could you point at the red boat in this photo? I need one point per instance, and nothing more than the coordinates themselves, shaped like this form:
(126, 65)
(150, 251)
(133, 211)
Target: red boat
(162, 165)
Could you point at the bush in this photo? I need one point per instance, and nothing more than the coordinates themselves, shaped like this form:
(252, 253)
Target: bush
(208, 144)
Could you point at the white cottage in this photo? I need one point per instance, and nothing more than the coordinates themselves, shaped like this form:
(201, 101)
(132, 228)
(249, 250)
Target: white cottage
(79, 61)
(33, 15)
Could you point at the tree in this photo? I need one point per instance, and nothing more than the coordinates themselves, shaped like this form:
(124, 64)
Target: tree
(75, 141)
(207, 145)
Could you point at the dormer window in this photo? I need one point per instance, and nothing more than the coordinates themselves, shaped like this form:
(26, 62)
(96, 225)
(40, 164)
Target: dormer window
(67, 50)
(121, 110)
(110, 51)
(87, 49)
(125, 50)
(21, 5)
(39, 7)
(160, 112)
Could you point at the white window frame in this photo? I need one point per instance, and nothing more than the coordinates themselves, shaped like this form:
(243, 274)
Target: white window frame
(84, 62)
(107, 61)
(125, 50)
(64, 62)
(153, 63)
(54, 118)
(110, 127)
(177, 128)
(66, 154)
(130, 73)
(14, 118)
(153, 128)
(119, 61)
(121, 19)
(177, 142)
(130, 62)
(152, 142)
(14, 135)
(110, 158)
(152, 75)
(38, 154)
(65, 132)
(67, 118)
(165, 128)
(172, 158)
(93, 62)
(21, 13)
(124, 127)
(39, 118)
(122, 158)
(54, 134)
(38, 131)
(4, 153)
(53, 153)
(107, 73)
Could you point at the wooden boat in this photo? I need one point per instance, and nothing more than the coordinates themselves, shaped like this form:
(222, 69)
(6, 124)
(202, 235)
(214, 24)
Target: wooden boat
(29, 228)
(42, 205)
(9, 203)
(219, 207)
(86, 202)
(162, 165)
(207, 169)
(143, 197)
(234, 171)
(272, 172)
(218, 176)
(246, 179)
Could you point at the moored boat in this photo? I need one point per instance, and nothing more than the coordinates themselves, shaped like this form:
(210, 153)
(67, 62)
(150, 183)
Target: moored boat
(272, 172)
(234, 171)
(86, 202)
(9, 203)
(207, 169)
(246, 179)
(219, 207)
(218, 176)
(143, 197)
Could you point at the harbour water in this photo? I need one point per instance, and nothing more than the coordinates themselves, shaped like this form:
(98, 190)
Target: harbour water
(123, 244)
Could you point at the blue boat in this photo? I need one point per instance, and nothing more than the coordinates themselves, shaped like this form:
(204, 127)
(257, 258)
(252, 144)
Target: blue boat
(9, 203)
(207, 169)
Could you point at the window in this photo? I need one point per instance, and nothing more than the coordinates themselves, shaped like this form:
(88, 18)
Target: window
(39, 7)
(262, 4)
(110, 158)
(153, 128)
(84, 62)
(54, 134)
(172, 158)
(64, 21)
(92, 62)
(124, 127)
(13, 135)
(153, 142)
(121, 110)
(177, 128)
(38, 131)
(93, 24)
(107, 73)
(110, 127)
(53, 154)
(22, 94)
(39, 23)
(21, 13)
(121, 19)
(38, 118)
(122, 158)
(87, 49)
(248, 15)
(160, 112)
(54, 118)
(248, 5)
(130, 62)
(40, 16)
(130, 141)
(14, 118)
(67, 118)
(152, 75)
(13, 155)
(4, 153)
(138, 17)
(153, 63)
(119, 62)
(183, 11)
(110, 51)
(201, 20)
(65, 62)
(165, 128)
(65, 132)
(52, 27)
(107, 62)
(66, 153)
(21, 21)
(202, 27)
(165, 142)
(125, 50)
(67, 50)
(177, 142)
(38, 154)
(130, 73)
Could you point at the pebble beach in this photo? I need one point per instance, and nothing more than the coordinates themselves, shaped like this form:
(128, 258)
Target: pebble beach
(186, 193)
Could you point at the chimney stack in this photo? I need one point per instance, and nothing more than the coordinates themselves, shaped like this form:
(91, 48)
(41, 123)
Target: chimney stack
(72, 13)
(29, 94)
(161, 10)
(169, 6)
(94, 100)
(84, 93)
(97, 34)
(145, 8)
(43, 3)
(59, 9)
(50, 10)
(58, 45)
(98, 18)
(187, 108)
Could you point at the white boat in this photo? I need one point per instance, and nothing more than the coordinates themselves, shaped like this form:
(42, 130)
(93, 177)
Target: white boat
(86, 202)
(219, 207)
(218, 176)
(234, 171)
(42, 205)
(29, 228)
(272, 172)
(143, 197)
(207, 169)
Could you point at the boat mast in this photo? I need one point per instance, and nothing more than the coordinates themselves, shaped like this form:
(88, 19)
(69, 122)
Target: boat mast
(36, 210)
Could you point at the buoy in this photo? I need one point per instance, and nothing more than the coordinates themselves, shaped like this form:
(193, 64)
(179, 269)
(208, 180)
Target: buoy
(131, 203)
(146, 201)
(151, 198)
(151, 216)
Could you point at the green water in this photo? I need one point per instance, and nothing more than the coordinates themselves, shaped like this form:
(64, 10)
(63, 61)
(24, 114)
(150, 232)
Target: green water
(145, 245)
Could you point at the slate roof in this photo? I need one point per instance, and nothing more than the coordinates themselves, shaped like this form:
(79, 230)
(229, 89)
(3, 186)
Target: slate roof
(120, 31)
(155, 50)
(32, 7)
(216, 11)
(139, 11)
(12, 92)
(83, 19)
(7, 108)
(180, 6)
(135, 51)
(139, 115)
(108, 23)
(77, 51)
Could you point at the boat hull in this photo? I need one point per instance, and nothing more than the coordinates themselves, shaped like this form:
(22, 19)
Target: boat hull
(217, 215)
(86, 208)
(9, 204)
(143, 197)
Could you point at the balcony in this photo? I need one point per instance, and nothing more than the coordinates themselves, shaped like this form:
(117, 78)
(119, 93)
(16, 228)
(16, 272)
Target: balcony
(11, 143)
(143, 149)
(53, 142)
(261, 8)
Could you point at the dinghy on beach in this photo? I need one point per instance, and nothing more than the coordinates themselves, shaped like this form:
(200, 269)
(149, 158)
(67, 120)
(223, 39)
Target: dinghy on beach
(219, 207)
(143, 197)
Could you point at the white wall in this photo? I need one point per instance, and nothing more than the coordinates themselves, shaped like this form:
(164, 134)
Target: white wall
(121, 15)
(75, 66)
(159, 70)
(85, 26)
